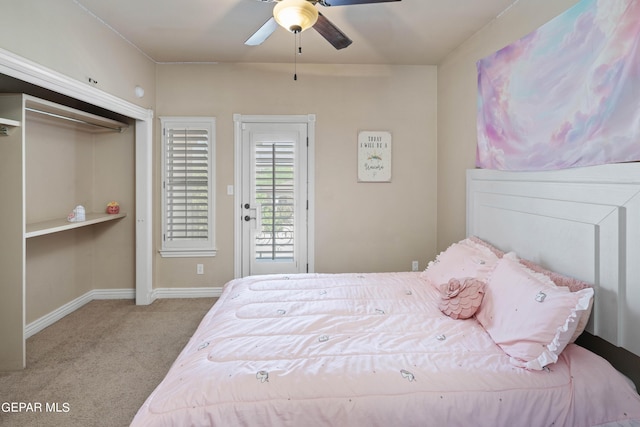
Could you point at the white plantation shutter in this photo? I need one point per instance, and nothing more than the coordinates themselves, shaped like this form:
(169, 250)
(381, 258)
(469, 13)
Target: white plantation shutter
(188, 186)
(275, 193)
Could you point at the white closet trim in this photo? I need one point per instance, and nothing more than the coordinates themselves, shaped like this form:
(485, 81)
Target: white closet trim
(34, 73)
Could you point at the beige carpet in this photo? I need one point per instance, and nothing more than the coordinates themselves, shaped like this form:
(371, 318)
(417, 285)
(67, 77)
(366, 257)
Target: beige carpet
(96, 366)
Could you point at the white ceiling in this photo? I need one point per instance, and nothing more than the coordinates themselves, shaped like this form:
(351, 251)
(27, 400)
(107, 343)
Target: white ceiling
(410, 32)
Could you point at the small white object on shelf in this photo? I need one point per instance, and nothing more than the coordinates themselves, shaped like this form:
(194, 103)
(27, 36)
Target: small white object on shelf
(77, 214)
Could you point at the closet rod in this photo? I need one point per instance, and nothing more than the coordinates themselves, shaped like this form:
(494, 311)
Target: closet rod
(73, 119)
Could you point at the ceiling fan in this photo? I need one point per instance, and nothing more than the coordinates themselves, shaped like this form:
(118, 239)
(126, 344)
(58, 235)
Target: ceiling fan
(299, 15)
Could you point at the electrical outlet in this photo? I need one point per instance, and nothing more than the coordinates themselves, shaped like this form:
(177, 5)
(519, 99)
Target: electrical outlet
(414, 266)
(200, 268)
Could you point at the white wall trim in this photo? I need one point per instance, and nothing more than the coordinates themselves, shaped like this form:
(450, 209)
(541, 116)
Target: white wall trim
(237, 185)
(144, 211)
(104, 294)
(68, 308)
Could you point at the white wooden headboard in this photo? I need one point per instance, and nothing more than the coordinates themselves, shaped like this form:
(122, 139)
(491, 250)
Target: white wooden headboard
(582, 222)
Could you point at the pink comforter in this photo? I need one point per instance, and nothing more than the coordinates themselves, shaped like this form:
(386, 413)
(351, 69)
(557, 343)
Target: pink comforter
(368, 350)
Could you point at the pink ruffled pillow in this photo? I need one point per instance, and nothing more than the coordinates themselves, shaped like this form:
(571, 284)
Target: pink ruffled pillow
(458, 261)
(528, 316)
(573, 284)
(497, 252)
(557, 278)
(460, 299)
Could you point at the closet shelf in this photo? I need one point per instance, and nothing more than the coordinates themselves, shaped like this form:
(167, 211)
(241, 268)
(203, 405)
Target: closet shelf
(9, 122)
(56, 225)
(6, 125)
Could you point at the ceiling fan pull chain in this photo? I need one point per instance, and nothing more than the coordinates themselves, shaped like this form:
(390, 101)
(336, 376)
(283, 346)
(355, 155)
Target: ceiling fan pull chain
(300, 43)
(297, 36)
(295, 57)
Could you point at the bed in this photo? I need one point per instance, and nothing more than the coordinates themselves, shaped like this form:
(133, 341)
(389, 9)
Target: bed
(483, 336)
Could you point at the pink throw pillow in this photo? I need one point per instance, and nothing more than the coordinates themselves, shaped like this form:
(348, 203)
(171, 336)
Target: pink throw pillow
(487, 245)
(460, 260)
(574, 285)
(460, 299)
(557, 278)
(527, 315)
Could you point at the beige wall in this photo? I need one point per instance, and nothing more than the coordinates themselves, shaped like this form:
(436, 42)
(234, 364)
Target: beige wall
(457, 85)
(64, 37)
(89, 169)
(359, 226)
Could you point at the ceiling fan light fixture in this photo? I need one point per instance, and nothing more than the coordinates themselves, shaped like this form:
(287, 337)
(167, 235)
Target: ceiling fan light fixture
(295, 15)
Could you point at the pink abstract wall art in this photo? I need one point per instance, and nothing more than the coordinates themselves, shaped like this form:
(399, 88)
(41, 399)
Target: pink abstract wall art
(566, 95)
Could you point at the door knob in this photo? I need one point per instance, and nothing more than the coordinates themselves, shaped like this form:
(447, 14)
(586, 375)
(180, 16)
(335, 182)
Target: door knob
(257, 216)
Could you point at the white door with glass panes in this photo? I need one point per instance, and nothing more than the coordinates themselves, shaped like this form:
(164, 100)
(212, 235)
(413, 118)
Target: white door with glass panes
(274, 198)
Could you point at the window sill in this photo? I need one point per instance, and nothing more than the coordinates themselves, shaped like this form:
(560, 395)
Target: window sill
(187, 253)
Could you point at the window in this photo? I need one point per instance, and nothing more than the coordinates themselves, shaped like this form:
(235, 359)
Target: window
(188, 159)
(275, 176)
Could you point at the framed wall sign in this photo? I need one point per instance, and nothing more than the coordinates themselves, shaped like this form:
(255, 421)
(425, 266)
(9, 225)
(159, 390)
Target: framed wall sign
(374, 156)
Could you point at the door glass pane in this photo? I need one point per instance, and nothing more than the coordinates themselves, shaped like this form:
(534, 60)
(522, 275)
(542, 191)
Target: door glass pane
(275, 194)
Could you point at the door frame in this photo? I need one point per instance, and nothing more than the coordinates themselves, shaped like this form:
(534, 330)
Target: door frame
(238, 121)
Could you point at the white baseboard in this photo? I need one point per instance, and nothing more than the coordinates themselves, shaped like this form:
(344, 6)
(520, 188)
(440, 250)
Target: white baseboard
(102, 294)
(49, 319)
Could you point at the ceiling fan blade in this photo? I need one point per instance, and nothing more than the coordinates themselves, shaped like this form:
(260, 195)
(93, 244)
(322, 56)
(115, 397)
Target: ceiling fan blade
(263, 33)
(349, 2)
(337, 38)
